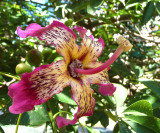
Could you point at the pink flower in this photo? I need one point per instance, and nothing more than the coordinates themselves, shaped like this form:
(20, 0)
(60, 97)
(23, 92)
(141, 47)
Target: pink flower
(40, 85)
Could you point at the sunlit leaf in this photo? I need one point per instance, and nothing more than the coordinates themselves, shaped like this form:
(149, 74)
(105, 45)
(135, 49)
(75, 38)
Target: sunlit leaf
(150, 122)
(154, 85)
(142, 107)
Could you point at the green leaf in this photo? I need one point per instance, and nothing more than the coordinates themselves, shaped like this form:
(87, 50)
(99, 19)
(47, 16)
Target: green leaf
(1, 130)
(142, 107)
(132, 3)
(137, 70)
(120, 95)
(148, 13)
(123, 127)
(150, 122)
(91, 130)
(93, 5)
(116, 128)
(98, 116)
(139, 128)
(135, 1)
(157, 6)
(65, 96)
(154, 85)
(35, 117)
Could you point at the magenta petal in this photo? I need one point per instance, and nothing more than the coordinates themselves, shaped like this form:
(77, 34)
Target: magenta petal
(38, 86)
(92, 37)
(56, 33)
(31, 30)
(101, 41)
(81, 31)
(107, 89)
(64, 122)
(24, 98)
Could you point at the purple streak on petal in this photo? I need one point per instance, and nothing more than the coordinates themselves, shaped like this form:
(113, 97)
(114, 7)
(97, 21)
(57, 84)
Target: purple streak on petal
(81, 31)
(107, 89)
(24, 97)
(64, 122)
(101, 41)
(36, 30)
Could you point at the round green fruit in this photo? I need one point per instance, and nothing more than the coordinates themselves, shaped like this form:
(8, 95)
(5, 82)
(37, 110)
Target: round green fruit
(23, 68)
(34, 57)
(68, 22)
(46, 53)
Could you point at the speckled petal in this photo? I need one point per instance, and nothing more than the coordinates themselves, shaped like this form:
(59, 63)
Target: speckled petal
(57, 34)
(101, 78)
(38, 86)
(82, 95)
(91, 50)
(98, 78)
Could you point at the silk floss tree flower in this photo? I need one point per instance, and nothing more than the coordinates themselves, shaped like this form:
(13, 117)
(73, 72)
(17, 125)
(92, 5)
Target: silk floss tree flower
(79, 69)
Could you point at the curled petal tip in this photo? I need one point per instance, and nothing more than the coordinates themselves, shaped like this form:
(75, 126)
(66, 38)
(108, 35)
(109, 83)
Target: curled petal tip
(64, 122)
(124, 43)
(107, 89)
(81, 31)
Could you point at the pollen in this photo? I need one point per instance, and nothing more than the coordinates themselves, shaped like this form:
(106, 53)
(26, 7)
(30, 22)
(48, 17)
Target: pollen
(124, 43)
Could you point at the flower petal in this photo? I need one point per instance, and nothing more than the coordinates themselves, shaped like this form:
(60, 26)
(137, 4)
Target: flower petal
(98, 78)
(82, 94)
(64, 122)
(91, 50)
(57, 34)
(107, 89)
(101, 79)
(81, 31)
(39, 86)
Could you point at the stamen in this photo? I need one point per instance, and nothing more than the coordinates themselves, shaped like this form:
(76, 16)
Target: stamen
(123, 43)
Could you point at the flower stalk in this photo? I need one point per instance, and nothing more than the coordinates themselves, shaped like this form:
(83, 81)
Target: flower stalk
(124, 45)
(8, 75)
(50, 114)
(19, 118)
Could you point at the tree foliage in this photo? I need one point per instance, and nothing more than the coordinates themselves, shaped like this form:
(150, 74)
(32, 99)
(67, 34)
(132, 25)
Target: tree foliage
(136, 74)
